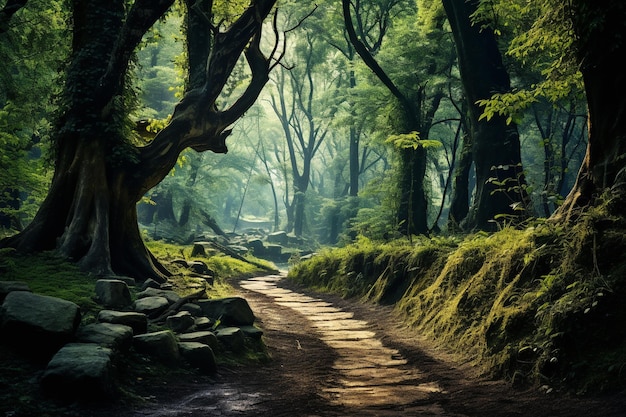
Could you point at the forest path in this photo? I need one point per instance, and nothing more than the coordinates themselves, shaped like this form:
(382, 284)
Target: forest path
(333, 357)
(366, 374)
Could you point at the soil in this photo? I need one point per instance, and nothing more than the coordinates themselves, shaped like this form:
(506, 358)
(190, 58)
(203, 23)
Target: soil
(335, 357)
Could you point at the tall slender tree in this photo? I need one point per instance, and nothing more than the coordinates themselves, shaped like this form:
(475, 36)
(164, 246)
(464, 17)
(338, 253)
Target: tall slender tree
(295, 105)
(416, 109)
(500, 182)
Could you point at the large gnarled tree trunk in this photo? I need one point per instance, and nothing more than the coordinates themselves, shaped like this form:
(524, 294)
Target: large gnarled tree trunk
(90, 213)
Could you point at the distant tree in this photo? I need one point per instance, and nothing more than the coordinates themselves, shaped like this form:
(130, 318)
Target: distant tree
(415, 108)
(547, 100)
(301, 119)
(582, 40)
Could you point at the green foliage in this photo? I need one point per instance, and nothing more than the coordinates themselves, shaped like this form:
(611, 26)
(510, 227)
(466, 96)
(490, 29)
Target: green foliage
(540, 41)
(412, 141)
(160, 83)
(509, 105)
(32, 52)
(508, 179)
(376, 217)
(51, 275)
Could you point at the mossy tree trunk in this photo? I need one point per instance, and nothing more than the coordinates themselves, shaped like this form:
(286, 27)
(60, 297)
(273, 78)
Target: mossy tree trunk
(89, 214)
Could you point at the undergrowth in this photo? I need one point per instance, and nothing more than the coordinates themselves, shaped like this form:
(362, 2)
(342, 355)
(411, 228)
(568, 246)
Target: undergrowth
(539, 306)
(48, 274)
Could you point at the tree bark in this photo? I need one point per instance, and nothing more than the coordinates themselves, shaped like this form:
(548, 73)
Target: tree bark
(459, 202)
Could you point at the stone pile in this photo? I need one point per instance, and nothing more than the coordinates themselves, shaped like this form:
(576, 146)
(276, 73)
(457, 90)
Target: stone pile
(276, 247)
(80, 358)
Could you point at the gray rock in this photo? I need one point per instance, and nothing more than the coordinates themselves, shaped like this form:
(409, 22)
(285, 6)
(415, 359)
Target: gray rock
(39, 323)
(198, 250)
(200, 267)
(278, 237)
(252, 332)
(180, 322)
(232, 338)
(206, 337)
(9, 286)
(80, 371)
(203, 323)
(274, 251)
(113, 293)
(151, 306)
(231, 311)
(193, 308)
(161, 345)
(257, 246)
(171, 296)
(137, 321)
(294, 240)
(198, 355)
(115, 336)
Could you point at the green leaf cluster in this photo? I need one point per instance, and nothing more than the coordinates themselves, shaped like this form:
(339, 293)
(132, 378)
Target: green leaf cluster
(411, 141)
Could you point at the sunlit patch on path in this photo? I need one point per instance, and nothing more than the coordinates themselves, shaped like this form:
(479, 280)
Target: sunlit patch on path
(369, 374)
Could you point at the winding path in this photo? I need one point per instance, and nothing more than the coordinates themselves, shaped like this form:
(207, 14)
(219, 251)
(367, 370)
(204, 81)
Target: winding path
(336, 358)
(367, 373)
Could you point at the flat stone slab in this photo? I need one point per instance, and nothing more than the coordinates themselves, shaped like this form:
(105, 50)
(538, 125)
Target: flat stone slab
(10, 286)
(137, 321)
(151, 306)
(206, 337)
(161, 345)
(198, 355)
(80, 371)
(38, 324)
(115, 336)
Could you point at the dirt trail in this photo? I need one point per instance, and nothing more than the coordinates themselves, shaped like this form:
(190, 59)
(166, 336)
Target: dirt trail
(332, 357)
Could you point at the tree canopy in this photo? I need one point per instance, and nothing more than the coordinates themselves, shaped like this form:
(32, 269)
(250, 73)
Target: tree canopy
(386, 100)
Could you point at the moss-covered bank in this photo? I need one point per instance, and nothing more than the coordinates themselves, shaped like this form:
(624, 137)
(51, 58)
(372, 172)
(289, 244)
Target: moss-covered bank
(544, 305)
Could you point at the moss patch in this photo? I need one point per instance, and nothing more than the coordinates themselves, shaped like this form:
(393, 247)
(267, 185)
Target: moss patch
(540, 306)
